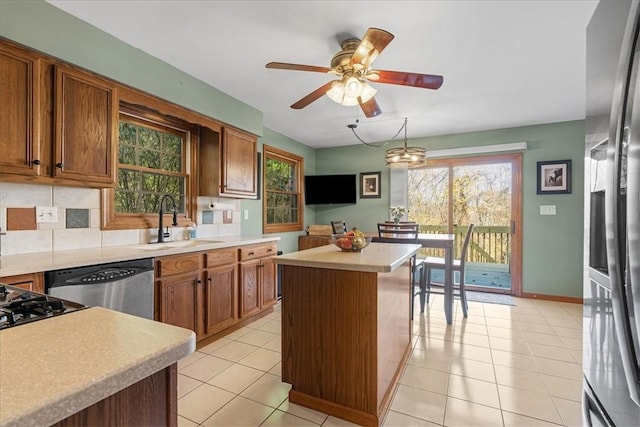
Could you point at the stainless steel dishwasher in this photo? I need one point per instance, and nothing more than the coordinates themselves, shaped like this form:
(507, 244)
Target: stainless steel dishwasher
(122, 286)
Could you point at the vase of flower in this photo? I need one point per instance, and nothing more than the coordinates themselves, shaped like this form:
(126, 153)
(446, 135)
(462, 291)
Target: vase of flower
(397, 212)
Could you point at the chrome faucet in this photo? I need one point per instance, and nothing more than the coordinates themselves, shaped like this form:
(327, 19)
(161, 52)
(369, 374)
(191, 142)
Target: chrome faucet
(162, 235)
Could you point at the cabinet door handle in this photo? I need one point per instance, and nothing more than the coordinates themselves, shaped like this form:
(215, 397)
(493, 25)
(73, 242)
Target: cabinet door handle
(35, 162)
(60, 165)
(198, 281)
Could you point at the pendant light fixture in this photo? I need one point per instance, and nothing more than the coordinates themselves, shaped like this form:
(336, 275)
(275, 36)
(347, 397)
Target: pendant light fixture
(407, 157)
(411, 157)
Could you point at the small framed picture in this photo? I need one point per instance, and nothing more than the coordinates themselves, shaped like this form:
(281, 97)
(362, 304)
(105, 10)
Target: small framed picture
(554, 177)
(370, 185)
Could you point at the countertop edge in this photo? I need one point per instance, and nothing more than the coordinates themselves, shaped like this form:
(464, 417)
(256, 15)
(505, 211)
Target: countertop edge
(357, 261)
(36, 262)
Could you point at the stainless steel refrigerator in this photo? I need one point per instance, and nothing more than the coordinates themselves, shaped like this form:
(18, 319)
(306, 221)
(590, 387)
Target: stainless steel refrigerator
(611, 344)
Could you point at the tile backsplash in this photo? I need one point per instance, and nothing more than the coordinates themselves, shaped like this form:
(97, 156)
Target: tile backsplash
(76, 220)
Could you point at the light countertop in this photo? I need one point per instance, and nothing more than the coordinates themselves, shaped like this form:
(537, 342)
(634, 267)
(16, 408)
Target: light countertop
(53, 368)
(45, 261)
(377, 257)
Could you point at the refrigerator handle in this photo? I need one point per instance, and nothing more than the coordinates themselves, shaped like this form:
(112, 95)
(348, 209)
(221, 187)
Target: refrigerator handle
(623, 98)
(591, 409)
(633, 215)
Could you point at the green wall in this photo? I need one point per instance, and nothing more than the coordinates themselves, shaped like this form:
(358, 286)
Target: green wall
(552, 250)
(553, 246)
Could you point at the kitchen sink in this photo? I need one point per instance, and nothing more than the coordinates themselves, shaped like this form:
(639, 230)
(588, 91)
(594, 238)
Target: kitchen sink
(176, 244)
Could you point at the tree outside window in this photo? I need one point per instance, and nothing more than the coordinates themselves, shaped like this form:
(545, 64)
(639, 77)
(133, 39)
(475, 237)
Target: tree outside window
(282, 204)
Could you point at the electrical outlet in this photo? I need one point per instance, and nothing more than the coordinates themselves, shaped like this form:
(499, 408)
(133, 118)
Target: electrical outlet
(46, 214)
(547, 209)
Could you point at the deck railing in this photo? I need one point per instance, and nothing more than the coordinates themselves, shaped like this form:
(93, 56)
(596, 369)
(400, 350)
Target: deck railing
(489, 244)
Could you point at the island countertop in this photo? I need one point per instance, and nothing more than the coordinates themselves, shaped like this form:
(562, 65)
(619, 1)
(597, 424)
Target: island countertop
(53, 368)
(377, 257)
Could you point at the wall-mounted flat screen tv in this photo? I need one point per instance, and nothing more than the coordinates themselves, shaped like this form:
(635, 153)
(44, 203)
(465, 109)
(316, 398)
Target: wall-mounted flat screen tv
(329, 189)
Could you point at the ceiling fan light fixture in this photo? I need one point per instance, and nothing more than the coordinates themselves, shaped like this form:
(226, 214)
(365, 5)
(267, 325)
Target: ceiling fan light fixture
(346, 91)
(367, 93)
(353, 87)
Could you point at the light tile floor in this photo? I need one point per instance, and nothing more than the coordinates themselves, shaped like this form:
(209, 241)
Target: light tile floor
(502, 366)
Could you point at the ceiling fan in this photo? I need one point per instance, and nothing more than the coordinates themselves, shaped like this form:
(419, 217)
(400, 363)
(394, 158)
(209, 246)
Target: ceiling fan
(353, 67)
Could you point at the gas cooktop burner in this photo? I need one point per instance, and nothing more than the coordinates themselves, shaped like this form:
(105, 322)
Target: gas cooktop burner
(18, 306)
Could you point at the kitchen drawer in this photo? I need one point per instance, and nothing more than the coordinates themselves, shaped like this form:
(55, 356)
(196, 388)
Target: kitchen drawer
(258, 251)
(179, 264)
(220, 257)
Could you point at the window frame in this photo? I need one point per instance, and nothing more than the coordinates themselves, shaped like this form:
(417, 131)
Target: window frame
(111, 220)
(298, 161)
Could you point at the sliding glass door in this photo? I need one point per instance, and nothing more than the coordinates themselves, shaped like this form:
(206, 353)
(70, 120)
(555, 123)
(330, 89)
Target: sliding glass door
(449, 194)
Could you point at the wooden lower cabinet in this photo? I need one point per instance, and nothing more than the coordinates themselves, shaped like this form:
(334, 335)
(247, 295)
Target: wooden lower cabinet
(312, 241)
(178, 279)
(258, 278)
(221, 290)
(152, 401)
(211, 291)
(31, 282)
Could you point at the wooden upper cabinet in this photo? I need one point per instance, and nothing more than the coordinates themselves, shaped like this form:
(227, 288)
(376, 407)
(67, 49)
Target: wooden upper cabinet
(19, 114)
(239, 163)
(228, 163)
(86, 127)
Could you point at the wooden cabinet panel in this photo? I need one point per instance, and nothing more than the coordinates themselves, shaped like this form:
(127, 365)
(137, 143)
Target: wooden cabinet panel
(249, 297)
(168, 266)
(228, 163)
(179, 301)
(308, 242)
(258, 278)
(86, 127)
(239, 157)
(257, 251)
(269, 294)
(30, 282)
(19, 114)
(221, 298)
(151, 401)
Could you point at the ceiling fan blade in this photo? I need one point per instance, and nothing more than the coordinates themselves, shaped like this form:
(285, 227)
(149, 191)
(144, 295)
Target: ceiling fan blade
(370, 108)
(297, 67)
(427, 81)
(373, 42)
(315, 95)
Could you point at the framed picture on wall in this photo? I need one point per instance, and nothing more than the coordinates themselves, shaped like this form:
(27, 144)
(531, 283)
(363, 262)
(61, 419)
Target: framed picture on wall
(370, 185)
(554, 177)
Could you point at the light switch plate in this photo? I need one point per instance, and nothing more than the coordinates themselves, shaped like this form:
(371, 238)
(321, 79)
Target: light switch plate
(246, 214)
(46, 214)
(547, 209)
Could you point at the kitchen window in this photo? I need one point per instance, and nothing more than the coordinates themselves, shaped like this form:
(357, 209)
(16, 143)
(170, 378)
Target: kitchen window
(282, 203)
(153, 153)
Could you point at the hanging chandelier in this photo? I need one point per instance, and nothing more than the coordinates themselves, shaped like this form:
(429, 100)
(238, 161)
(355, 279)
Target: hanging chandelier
(409, 157)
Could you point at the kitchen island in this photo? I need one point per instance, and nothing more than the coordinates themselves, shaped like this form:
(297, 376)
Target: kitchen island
(346, 328)
(91, 367)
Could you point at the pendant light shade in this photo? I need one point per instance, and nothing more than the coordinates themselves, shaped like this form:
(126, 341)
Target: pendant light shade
(411, 157)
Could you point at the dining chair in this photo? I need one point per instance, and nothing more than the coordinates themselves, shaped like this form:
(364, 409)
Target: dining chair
(437, 263)
(339, 227)
(402, 230)
(406, 232)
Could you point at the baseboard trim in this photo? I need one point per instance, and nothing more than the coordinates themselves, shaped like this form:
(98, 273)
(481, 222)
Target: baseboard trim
(557, 298)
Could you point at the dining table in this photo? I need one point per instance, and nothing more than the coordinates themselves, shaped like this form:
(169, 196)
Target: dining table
(440, 241)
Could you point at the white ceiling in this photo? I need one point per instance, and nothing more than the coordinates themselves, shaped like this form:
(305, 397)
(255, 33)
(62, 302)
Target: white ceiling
(505, 63)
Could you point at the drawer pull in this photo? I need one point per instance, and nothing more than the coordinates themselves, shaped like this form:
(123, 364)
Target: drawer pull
(251, 253)
(35, 162)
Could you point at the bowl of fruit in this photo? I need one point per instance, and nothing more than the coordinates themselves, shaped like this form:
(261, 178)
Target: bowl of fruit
(352, 241)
